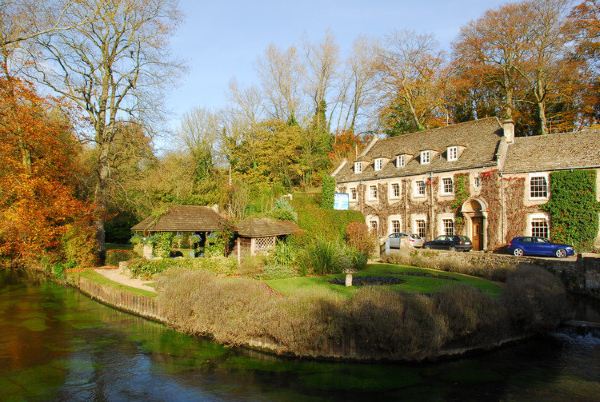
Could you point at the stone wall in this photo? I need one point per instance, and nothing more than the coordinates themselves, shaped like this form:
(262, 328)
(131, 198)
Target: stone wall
(580, 276)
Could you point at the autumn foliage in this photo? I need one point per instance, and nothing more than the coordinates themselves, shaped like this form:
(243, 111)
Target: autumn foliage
(38, 167)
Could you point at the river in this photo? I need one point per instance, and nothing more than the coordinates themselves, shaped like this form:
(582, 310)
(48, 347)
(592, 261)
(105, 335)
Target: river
(58, 345)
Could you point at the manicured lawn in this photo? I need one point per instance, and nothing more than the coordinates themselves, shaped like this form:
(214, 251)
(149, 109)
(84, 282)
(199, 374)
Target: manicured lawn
(416, 280)
(102, 280)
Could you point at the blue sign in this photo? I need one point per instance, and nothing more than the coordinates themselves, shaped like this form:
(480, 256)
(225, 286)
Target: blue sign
(341, 201)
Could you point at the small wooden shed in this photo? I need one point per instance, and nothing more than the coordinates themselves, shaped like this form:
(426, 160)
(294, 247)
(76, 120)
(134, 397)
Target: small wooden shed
(259, 235)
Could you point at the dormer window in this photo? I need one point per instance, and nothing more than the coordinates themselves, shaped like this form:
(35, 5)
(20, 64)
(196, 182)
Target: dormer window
(452, 153)
(357, 167)
(425, 157)
(378, 164)
(400, 161)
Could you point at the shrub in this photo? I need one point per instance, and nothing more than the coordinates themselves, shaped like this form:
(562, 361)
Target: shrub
(471, 316)
(535, 299)
(321, 257)
(284, 211)
(328, 191)
(359, 237)
(276, 271)
(79, 246)
(143, 268)
(252, 265)
(136, 239)
(284, 254)
(219, 265)
(161, 243)
(115, 256)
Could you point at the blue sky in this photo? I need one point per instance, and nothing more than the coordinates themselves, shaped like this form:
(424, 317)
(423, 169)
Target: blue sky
(219, 40)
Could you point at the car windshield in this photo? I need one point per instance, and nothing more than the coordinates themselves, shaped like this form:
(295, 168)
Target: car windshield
(441, 238)
(541, 240)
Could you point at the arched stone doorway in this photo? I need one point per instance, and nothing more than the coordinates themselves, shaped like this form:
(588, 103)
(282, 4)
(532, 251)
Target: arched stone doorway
(475, 214)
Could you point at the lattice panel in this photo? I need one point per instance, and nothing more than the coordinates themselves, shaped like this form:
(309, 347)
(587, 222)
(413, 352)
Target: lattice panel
(264, 243)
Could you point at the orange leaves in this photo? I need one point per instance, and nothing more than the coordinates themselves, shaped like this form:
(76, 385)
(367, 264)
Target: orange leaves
(37, 172)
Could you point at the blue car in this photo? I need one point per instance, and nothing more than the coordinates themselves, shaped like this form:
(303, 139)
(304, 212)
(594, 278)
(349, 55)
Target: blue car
(520, 246)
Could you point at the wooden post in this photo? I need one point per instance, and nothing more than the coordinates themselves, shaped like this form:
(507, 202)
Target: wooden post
(239, 251)
(252, 246)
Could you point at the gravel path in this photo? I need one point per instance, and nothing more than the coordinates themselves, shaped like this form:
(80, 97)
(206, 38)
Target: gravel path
(117, 276)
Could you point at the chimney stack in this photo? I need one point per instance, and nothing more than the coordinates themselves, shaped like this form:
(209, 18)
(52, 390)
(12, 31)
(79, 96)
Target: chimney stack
(508, 126)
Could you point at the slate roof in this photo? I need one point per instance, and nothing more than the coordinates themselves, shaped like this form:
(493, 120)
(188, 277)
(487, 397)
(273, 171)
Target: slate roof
(554, 152)
(265, 227)
(480, 139)
(183, 218)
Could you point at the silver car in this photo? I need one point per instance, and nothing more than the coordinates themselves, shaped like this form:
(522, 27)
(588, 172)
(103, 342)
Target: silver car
(413, 240)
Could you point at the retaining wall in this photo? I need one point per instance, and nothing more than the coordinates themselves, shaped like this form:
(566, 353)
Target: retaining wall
(141, 305)
(581, 275)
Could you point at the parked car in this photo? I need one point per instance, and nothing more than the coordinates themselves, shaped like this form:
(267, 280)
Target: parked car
(413, 239)
(526, 245)
(452, 243)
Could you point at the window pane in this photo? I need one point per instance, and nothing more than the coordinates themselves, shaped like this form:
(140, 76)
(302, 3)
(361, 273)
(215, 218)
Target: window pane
(420, 187)
(448, 227)
(373, 192)
(421, 228)
(538, 187)
(395, 226)
(447, 185)
(539, 228)
(395, 190)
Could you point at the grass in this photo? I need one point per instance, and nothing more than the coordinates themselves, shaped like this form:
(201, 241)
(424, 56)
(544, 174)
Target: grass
(102, 280)
(433, 283)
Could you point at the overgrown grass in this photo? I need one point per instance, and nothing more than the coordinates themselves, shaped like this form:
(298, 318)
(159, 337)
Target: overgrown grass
(102, 280)
(370, 323)
(416, 280)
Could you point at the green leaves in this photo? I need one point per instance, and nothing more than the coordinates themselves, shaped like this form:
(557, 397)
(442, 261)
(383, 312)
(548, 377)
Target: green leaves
(573, 208)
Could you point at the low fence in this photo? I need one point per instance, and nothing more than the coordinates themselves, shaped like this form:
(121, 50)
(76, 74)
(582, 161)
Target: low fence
(579, 276)
(137, 304)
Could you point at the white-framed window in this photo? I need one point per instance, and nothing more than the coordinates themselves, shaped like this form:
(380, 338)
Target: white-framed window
(425, 157)
(447, 185)
(419, 188)
(395, 226)
(353, 194)
(448, 227)
(540, 228)
(373, 223)
(378, 164)
(357, 167)
(373, 192)
(538, 186)
(421, 227)
(477, 182)
(400, 161)
(395, 190)
(538, 225)
(452, 153)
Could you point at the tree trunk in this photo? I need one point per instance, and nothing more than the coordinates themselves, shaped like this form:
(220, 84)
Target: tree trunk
(542, 118)
(100, 200)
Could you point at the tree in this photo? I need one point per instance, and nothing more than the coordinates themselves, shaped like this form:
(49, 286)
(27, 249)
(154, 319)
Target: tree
(113, 67)
(410, 68)
(281, 74)
(322, 61)
(38, 169)
(492, 47)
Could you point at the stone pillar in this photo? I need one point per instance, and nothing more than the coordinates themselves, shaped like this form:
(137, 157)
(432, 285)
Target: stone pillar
(348, 279)
(147, 252)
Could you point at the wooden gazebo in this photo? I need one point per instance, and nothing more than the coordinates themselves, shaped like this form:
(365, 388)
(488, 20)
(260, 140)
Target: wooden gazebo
(259, 235)
(183, 219)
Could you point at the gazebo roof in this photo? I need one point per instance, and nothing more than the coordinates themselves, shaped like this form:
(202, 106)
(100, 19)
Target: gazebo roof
(183, 218)
(265, 227)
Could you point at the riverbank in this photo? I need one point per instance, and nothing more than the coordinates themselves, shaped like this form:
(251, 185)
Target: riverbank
(373, 325)
(57, 344)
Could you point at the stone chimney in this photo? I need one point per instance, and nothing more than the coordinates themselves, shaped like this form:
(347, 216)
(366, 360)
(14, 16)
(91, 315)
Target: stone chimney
(508, 126)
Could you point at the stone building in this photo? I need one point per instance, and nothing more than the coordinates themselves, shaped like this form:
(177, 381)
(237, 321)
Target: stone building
(473, 178)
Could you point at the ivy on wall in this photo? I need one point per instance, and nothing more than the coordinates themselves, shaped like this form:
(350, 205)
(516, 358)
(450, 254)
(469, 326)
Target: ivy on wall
(573, 208)
(461, 194)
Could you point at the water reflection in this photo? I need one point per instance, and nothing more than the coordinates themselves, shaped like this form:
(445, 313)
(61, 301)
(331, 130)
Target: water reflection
(56, 344)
